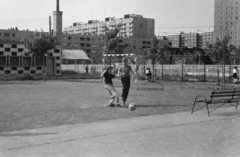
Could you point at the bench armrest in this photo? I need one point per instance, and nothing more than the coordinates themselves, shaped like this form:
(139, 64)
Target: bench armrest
(204, 99)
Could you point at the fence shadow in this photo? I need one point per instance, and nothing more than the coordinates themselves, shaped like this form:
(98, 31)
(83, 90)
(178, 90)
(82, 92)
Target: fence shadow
(24, 134)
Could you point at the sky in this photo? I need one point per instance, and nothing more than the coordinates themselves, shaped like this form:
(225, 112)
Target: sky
(170, 16)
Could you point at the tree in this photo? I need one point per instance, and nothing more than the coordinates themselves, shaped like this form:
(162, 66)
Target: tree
(112, 43)
(157, 53)
(39, 44)
(222, 50)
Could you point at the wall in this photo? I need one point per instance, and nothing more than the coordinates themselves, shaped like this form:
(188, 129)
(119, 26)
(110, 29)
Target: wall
(15, 63)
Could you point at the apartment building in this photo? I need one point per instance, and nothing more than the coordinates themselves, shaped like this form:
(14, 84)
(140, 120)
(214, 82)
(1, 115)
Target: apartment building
(131, 26)
(176, 40)
(227, 20)
(207, 38)
(91, 44)
(13, 34)
(192, 40)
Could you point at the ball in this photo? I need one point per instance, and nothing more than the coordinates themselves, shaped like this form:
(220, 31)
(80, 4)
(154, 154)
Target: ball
(132, 107)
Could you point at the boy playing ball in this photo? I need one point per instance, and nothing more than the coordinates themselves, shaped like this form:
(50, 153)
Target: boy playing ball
(107, 79)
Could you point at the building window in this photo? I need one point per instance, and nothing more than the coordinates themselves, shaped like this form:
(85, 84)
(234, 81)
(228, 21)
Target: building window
(26, 61)
(39, 61)
(140, 25)
(6, 34)
(14, 46)
(3, 61)
(14, 61)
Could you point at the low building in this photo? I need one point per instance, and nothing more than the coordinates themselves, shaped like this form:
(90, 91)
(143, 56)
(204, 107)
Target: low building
(192, 40)
(15, 62)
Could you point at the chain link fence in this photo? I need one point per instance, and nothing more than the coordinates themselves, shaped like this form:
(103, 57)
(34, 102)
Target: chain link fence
(161, 72)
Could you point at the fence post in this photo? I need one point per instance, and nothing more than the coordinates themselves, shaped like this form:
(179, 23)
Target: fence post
(230, 70)
(182, 71)
(204, 79)
(218, 81)
(162, 70)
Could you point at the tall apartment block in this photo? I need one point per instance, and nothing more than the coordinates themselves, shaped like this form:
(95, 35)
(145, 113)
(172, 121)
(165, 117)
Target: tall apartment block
(132, 26)
(227, 20)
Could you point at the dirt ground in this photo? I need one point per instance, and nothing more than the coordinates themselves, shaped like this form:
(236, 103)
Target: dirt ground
(38, 104)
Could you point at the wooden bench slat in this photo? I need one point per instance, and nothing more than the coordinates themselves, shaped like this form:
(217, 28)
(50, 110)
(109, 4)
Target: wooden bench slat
(222, 92)
(222, 95)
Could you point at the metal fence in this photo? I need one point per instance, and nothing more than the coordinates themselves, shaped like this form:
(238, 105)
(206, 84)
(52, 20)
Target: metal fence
(164, 72)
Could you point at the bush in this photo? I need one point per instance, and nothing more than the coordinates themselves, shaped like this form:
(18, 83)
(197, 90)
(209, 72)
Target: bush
(28, 77)
(69, 72)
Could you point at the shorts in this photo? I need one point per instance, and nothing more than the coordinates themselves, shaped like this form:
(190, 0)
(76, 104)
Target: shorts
(112, 90)
(235, 75)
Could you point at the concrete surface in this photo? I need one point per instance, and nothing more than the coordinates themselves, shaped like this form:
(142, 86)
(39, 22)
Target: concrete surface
(170, 135)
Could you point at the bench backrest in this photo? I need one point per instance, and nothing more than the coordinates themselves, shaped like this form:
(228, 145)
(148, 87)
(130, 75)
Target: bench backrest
(225, 94)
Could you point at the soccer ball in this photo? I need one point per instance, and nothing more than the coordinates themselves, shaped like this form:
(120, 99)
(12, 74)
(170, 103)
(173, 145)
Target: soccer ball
(131, 106)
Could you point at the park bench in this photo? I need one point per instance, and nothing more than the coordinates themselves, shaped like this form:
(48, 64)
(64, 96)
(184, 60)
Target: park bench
(218, 97)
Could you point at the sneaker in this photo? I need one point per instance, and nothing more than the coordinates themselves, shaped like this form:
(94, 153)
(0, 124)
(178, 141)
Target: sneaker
(118, 105)
(111, 105)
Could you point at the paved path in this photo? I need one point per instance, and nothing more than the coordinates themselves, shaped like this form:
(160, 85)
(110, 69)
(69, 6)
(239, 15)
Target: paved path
(171, 135)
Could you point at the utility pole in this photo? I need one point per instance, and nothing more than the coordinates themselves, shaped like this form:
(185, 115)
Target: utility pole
(50, 29)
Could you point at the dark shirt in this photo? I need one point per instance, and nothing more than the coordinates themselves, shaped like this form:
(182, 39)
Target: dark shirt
(108, 78)
(126, 70)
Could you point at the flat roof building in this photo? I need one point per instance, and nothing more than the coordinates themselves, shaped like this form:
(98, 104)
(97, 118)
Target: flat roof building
(131, 26)
(227, 20)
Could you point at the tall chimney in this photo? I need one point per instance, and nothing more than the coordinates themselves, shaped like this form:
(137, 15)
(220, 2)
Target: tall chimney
(57, 5)
(57, 23)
